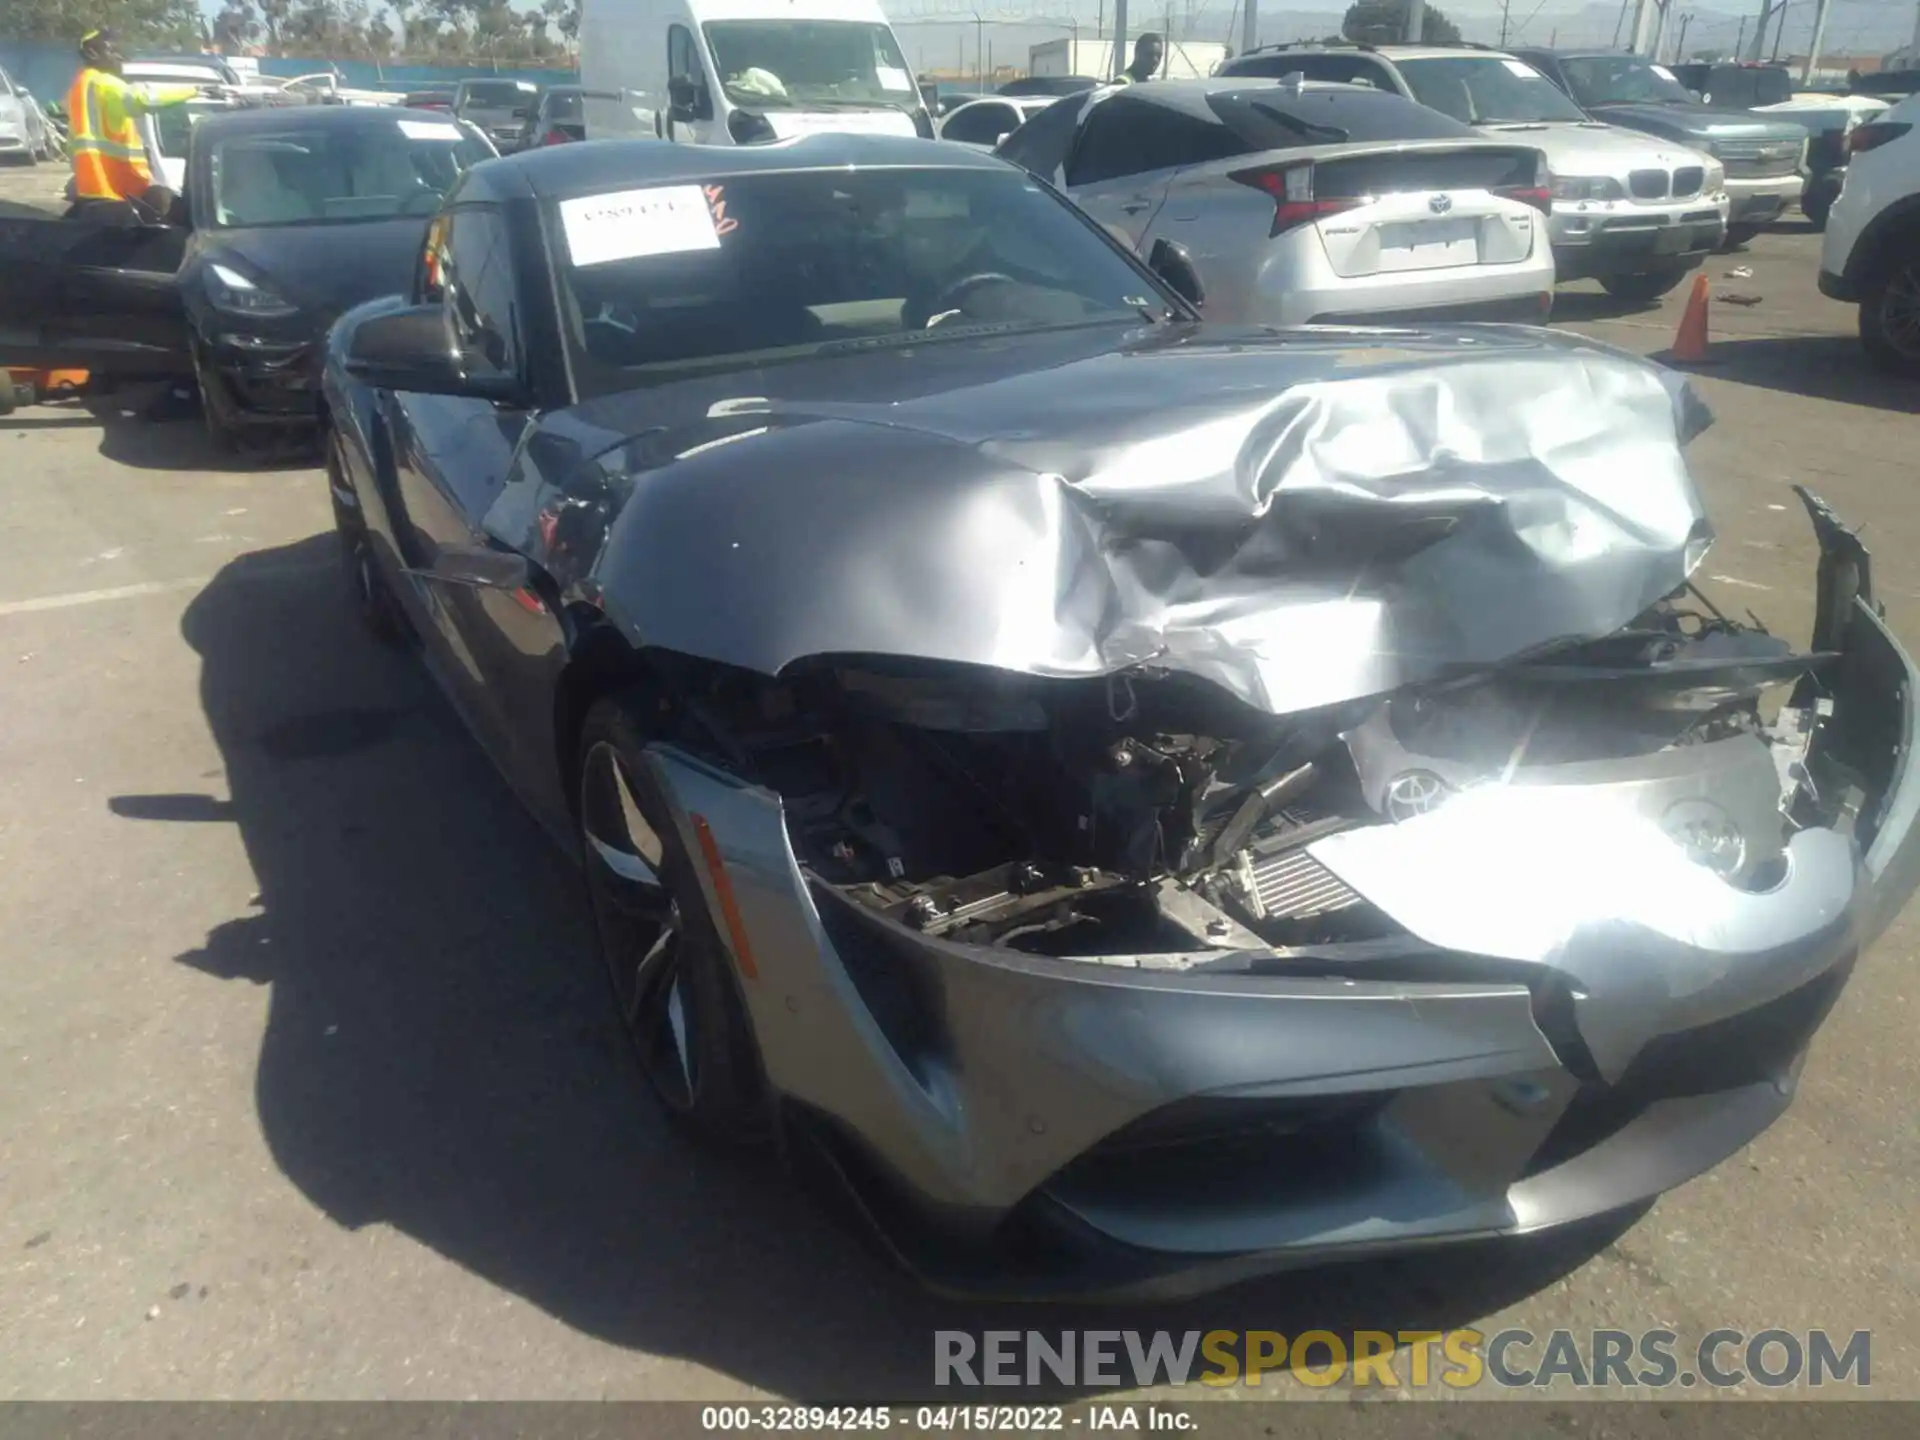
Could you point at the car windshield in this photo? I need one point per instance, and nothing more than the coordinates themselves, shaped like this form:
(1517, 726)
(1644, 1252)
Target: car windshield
(175, 123)
(568, 107)
(311, 175)
(813, 62)
(1622, 80)
(492, 95)
(780, 265)
(1487, 90)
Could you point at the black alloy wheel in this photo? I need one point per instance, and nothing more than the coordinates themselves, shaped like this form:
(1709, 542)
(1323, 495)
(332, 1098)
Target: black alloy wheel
(673, 983)
(1890, 311)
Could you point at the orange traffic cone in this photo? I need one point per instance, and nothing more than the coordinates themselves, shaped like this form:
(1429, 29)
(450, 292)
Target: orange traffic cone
(1690, 340)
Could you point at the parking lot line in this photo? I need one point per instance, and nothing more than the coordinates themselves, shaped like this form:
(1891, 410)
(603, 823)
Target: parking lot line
(95, 597)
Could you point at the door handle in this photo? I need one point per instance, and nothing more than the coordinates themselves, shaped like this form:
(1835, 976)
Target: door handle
(1134, 207)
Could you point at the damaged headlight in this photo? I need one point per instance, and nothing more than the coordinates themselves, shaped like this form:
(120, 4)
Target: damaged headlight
(234, 293)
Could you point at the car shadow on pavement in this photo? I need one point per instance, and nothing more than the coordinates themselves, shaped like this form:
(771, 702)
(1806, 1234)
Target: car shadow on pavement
(1572, 307)
(128, 439)
(1821, 367)
(440, 1055)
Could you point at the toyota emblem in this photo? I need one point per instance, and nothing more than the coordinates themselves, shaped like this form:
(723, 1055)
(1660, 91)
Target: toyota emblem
(1411, 793)
(1439, 204)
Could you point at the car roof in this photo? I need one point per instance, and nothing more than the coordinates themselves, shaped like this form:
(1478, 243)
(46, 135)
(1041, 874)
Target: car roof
(340, 117)
(1391, 52)
(562, 171)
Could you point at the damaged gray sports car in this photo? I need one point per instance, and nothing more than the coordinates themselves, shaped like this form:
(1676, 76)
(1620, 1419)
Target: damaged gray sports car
(1144, 803)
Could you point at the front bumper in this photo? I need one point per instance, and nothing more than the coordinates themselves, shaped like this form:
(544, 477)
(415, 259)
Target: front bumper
(1756, 201)
(262, 381)
(1150, 1127)
(1838, 287)
(1621, 239)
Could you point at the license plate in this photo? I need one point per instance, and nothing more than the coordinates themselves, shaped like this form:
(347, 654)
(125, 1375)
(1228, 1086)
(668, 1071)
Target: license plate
(1672, 242)
(1429, 244)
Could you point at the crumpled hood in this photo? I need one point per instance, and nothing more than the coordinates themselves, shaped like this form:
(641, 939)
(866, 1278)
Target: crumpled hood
(1568, 146)
(1300, 518)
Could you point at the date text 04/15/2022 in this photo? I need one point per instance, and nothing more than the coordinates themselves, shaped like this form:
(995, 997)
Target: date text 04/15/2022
(940, 1419)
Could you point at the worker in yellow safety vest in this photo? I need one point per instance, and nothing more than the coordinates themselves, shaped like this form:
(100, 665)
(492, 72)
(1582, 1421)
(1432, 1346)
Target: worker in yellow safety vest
(109, 157)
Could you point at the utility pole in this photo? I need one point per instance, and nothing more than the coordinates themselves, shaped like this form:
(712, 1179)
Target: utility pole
(1643, 16)
(1813, 46)
(1740, 40)
(1504, 6)
(1680, 46)
(1779, 29)
(1416, 20)
(1119, 60)
(1250, 27)
(1618, 21)
(1768, 10)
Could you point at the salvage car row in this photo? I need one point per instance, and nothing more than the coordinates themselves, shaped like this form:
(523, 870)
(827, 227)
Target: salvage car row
(1126, 792)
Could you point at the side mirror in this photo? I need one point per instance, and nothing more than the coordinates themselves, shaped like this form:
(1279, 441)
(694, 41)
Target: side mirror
(1002, 138)
(409, 350)
(1171, 262)
(687, 100)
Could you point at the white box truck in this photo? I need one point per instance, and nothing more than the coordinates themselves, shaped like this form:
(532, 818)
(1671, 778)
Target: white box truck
(742, 72)
(1185, 59)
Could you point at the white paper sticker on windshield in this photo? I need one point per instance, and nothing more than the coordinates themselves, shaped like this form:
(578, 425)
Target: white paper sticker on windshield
(1522, 69)
(789, 123)
(429, 130)
(893, 79)
(1663, 72)
(935, 205)
(665, 220)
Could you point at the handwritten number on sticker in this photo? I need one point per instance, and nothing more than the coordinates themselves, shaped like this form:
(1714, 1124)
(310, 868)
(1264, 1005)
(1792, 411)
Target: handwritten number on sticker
(717, 203)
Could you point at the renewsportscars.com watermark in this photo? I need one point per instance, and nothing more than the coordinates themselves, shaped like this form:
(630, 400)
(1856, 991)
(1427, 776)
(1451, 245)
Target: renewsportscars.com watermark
(1457, 1359)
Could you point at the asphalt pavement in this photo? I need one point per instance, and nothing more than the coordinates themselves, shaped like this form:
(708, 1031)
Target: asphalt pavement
(311, 1088)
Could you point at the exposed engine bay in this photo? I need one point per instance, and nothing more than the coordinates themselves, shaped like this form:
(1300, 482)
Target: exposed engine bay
(1149, 817)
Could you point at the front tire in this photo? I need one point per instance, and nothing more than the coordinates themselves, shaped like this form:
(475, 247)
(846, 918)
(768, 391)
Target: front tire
(373, 602)
(1645, 285)
(229, 437)
(1816, 206)
(1890, 310)
(673, 983)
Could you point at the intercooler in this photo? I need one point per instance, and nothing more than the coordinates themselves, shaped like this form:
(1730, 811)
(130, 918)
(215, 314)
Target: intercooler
(1279, 880)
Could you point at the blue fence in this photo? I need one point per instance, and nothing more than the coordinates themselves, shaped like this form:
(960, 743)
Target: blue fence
(47, 70)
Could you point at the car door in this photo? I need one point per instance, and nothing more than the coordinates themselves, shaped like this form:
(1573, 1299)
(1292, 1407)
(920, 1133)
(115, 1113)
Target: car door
(452, 455)
(76, 295)
(1128, 153)
(1041, 146)
(981, 123)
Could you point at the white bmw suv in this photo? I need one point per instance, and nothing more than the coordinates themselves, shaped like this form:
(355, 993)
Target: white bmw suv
(1871, 252)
